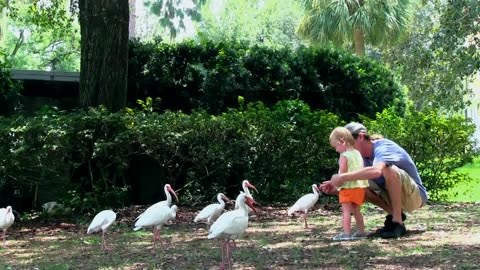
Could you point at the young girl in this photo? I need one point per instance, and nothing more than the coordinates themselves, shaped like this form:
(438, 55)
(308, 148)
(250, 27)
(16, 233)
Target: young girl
(351, 193)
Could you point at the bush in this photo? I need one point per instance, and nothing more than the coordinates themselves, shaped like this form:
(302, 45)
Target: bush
(210, 76)
(97, 159)
(438, 144)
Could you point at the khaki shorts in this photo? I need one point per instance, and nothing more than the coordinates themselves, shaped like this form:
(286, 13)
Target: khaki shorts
(411, 199)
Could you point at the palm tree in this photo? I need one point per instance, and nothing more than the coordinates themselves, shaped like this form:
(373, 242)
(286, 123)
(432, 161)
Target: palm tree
(358, 21)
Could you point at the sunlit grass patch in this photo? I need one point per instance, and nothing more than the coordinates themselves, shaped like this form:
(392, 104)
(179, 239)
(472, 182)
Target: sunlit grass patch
(467, 192)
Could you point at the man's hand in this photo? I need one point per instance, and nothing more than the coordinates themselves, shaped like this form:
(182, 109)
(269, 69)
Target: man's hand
(336, 180)
(328, 188)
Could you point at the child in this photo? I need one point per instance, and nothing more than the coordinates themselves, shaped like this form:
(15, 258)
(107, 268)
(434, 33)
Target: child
(351, 193)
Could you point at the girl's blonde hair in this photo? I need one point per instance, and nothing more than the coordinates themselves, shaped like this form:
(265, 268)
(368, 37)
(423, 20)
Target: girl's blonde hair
(341, 133)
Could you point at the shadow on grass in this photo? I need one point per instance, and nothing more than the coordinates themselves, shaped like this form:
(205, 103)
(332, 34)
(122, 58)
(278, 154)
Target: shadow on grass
(267, 244)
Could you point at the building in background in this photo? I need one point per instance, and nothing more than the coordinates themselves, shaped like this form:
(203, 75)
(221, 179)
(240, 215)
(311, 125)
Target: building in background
(473, 110)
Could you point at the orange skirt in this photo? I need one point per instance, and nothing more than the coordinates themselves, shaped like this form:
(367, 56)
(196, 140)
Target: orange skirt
(352, 195)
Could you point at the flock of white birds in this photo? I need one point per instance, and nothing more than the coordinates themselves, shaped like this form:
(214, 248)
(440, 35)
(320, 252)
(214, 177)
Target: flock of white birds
(229, 225)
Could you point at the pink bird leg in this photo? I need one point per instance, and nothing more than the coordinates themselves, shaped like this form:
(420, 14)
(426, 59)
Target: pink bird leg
(104, 242)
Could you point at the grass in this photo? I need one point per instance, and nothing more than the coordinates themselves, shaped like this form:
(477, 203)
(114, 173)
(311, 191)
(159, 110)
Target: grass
(440, 236)
(443, 236)
(468, 192)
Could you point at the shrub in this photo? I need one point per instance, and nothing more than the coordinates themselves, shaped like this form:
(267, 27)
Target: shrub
(437, 143)
(210, 76)
(96, 159)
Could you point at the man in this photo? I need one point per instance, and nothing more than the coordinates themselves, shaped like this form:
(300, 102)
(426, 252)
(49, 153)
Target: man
(395, 184)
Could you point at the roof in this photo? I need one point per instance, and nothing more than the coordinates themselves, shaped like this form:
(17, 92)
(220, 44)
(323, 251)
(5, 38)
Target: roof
(45, 75)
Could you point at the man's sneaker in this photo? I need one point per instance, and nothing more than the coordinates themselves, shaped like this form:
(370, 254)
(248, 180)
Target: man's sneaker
(388, 223)
(396, 230)
(358, 236)
(342, 237)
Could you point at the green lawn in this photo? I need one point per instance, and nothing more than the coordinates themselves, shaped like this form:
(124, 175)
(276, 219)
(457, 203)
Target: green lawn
(469, 192)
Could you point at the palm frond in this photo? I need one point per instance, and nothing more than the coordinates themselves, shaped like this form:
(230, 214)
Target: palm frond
(334, 20)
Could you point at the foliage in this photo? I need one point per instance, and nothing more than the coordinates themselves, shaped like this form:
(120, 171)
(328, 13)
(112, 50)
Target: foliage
(438, 144)
(440, 54)
(95, 158)
(9, 90)
(42, 35)
(173, 13)
(270, 22)
(96, 200)
(212, 75)
(377, 22)
(282, 150)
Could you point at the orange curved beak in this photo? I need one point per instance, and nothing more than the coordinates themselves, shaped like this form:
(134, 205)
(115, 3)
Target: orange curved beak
(251, 186)
(170, 189)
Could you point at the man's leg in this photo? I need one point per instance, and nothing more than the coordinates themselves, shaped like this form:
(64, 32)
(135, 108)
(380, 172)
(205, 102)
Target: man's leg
(373, 198)
(394, 188)
(379, 197)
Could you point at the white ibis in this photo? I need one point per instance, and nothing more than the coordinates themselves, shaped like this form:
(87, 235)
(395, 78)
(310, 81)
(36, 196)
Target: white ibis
(156, 215)
(101, 222)
(168, 202)
(6, 220)
(245, 185)
(231, 225)
(212, 211)
(305, 203)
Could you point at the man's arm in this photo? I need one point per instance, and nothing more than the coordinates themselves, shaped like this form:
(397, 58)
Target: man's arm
(371, 172)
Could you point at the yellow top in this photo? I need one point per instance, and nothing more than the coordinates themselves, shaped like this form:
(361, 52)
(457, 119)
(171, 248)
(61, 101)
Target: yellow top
(354, 162)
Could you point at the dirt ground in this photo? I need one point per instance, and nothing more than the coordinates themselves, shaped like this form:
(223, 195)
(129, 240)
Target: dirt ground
(439, 236)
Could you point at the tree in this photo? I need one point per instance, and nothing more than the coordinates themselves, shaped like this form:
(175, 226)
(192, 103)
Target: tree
(172, 13)
(268, 22)
(40, 35)
(104, 53)
(440, 54)
(359, 22)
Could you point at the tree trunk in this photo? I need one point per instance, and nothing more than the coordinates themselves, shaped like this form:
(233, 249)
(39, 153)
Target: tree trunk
(104, 53)
(359, 41)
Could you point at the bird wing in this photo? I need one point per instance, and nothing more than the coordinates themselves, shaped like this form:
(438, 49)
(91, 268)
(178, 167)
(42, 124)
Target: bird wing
(6, 219)
(233, 222)
(208, 211)
(304, 203)
(158, 204)
(155, 215)
(102, 221)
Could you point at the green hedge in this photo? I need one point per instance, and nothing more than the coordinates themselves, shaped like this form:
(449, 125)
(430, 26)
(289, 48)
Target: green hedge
(210, 76)
(282, 150)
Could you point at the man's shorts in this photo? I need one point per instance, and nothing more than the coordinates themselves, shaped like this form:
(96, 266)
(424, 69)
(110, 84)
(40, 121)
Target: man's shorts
(352, 195)
(411, 199)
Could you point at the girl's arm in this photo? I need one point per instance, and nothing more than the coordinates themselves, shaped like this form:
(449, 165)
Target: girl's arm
(343, 164)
